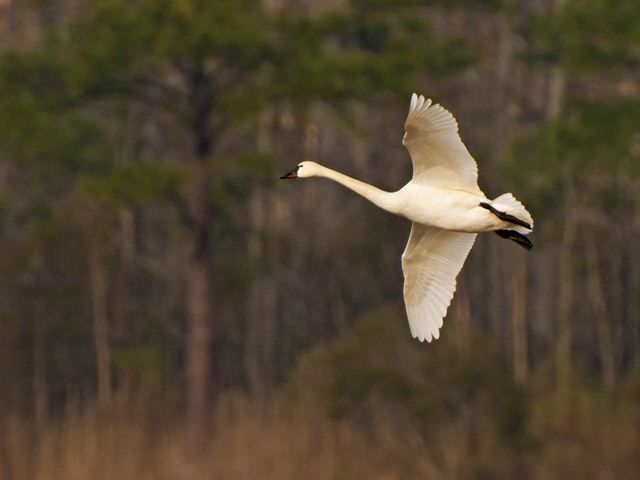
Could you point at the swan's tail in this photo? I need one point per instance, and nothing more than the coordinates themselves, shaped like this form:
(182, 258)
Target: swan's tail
(507, 203)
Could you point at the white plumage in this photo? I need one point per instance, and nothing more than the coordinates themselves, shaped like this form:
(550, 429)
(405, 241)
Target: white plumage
(430, 263)
(447, 209)
(439, 156)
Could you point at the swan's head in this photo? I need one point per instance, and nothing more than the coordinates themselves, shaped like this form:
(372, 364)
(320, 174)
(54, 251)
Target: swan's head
(304, 169)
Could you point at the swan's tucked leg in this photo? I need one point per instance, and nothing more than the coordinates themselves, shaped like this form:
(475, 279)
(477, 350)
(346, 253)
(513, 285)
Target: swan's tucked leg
(505, 216)
(517, 237)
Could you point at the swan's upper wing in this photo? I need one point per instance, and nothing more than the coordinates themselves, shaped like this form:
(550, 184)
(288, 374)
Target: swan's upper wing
(430, 263)
(438, 154)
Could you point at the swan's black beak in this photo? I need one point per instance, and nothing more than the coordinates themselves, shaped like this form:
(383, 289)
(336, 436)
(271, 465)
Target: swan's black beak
(292, 174)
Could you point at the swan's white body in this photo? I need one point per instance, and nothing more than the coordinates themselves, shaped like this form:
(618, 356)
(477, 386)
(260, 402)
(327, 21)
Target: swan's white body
(443, 202)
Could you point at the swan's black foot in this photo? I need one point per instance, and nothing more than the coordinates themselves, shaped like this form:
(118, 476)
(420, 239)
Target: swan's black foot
(505, 216)
(517, 237)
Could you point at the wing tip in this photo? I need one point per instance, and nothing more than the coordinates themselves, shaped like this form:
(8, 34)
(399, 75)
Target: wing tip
(441, 118)
(419, 103)
(422, 330)
(428, 337)
(414, 102)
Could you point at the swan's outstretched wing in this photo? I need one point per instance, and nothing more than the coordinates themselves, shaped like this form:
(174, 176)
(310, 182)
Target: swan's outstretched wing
(438, 154)
(430, 263)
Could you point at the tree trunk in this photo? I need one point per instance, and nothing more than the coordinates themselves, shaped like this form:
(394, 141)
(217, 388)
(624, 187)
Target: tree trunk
(505, 50)
(7, 23)
(261, 314)
(199, 216)
(100, 323)
(128, 234)
(555, 105)
(519, 319)
(260, 341)
(599, 309)
(565, 306)
(634, 277)
(199, 303)
(40, 390)
(121, 315)
(557, 85)
(557, 82)
(198, 340)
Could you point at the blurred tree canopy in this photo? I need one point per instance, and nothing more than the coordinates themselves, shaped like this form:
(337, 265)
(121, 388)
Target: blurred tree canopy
(589, 140)
(376, 363)
(592, 35)
(204, 67)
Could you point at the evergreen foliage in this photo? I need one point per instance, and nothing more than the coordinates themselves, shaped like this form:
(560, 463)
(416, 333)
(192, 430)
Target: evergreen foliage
(593, 35)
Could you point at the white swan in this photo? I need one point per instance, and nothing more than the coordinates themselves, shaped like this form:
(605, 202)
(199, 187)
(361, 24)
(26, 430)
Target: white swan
(447, 209)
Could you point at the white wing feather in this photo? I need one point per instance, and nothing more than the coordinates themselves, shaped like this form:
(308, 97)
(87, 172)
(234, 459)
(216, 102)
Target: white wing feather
(430, 263)
(439, 157)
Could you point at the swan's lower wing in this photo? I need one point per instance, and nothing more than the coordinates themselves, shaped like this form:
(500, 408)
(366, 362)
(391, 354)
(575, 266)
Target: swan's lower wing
(430, 263)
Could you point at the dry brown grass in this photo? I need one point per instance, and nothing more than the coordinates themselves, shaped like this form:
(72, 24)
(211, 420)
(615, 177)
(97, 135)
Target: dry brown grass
(142, 438)
(143, 442)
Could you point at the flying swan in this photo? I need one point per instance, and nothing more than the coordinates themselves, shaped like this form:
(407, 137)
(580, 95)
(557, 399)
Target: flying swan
(446, 207)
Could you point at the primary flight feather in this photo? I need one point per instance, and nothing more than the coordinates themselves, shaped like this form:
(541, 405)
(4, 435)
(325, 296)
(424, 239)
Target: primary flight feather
(446, 207)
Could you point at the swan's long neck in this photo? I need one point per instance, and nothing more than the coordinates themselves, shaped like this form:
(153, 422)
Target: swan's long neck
(384, 200)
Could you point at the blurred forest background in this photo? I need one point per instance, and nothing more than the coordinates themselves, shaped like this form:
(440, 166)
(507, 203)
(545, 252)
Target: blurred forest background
(169, 309)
